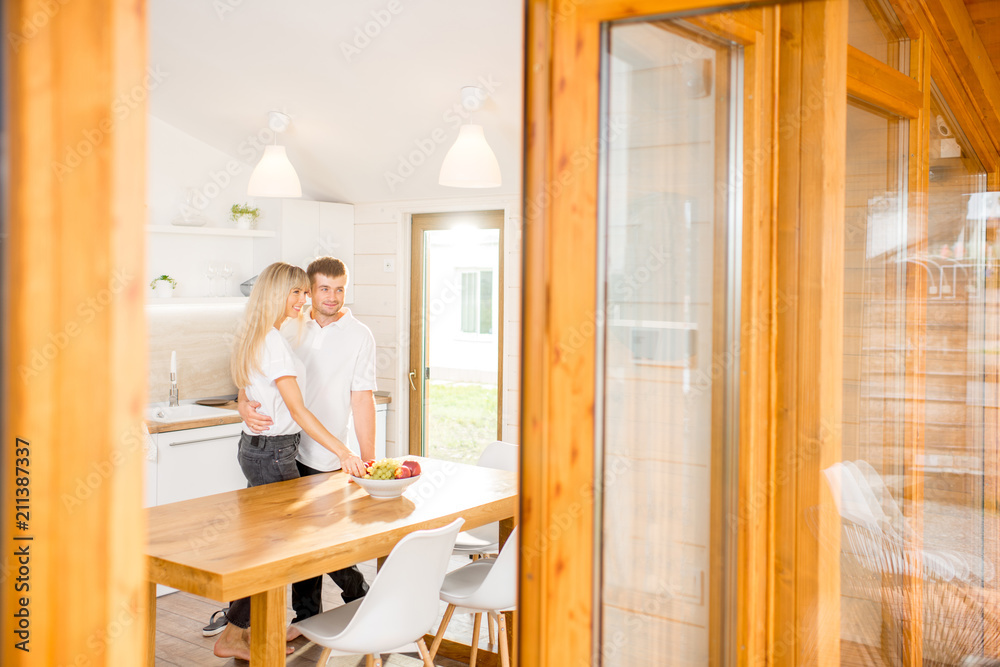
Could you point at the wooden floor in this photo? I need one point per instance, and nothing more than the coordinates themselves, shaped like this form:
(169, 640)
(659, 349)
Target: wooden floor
(181, 616)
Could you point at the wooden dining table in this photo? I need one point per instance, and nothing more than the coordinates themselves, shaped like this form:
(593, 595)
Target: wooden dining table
(257, 541)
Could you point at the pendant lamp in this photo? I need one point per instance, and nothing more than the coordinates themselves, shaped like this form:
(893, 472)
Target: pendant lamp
(470, 162)
(274, 175)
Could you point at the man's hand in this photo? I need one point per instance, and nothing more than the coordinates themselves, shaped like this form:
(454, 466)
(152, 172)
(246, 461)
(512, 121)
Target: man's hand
(257, 422)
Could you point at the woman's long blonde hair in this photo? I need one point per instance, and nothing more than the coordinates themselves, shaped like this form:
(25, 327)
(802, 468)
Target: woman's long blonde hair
(266, 306)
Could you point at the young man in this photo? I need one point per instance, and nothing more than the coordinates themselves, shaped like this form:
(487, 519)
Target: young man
(339, 355)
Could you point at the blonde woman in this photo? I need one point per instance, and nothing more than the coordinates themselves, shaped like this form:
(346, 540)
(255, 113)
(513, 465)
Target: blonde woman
(267, 371)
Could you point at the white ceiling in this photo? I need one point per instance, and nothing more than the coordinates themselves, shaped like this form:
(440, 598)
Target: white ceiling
(228, 62)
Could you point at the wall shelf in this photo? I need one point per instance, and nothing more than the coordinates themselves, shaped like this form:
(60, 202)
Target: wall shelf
(189, 301)
(210, 231)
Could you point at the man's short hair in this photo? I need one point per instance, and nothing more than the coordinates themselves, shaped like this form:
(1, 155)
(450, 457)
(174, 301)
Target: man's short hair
(331, 267)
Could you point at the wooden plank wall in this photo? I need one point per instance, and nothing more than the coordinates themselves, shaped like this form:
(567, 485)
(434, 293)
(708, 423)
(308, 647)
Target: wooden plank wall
(76, 84)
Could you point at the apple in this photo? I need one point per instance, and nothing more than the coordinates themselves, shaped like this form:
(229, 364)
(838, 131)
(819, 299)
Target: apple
(369, 463)
(402, 472)
(413, 466)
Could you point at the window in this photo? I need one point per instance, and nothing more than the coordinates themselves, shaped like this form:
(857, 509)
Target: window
(874, 29)
(477, 301)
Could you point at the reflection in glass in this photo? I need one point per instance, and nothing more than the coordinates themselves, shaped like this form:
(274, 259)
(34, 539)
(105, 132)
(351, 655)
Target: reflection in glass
(916, 489)
(874, 29)
(666, 371)
(877, 263)
(958, 611)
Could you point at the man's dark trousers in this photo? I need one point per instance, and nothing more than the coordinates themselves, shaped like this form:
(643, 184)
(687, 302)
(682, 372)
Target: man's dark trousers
(307, 596)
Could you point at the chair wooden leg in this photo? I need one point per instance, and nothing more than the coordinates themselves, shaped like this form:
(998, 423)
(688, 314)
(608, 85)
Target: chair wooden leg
(377, 657)
(440, 633)
(475, 639)
(502, 638)
(369, 661)
(424, 653)
(489, 630)
(323, 658)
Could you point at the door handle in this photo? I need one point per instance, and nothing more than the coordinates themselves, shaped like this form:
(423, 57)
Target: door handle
(413, 375)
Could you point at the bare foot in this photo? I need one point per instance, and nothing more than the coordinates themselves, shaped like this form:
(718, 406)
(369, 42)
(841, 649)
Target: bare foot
(292, 633)
(234, 642)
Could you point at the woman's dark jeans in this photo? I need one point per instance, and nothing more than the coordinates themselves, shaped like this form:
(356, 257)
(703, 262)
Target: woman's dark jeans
(263, 459)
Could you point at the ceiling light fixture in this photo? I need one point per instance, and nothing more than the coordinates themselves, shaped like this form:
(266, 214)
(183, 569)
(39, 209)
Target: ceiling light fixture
(470, 162)
(274, 175)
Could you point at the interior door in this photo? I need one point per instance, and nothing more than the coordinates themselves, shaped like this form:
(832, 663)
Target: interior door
(456, 334)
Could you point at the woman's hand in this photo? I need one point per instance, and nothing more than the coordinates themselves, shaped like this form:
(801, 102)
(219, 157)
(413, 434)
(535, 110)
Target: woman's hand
(353, 465)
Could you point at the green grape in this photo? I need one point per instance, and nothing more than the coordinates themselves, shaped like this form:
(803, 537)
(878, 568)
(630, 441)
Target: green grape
(382, 469)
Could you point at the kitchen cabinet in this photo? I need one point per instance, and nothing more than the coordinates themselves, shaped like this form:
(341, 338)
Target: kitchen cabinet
(306, 230)
(197, 462)
(192, 463)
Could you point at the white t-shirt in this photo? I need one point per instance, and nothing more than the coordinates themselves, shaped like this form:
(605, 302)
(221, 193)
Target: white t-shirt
(339, 358)
(276, 360)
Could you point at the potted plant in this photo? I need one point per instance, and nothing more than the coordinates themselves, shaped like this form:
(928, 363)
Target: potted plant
(244, 215)
(163, 286)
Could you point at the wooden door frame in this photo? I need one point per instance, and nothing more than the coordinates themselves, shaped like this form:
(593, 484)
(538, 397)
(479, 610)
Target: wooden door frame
(421, 222)
(560, 477)
(74, 339)
(793, 207)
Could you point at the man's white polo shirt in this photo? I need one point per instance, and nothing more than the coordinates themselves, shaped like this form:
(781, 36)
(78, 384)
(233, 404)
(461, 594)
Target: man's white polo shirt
(339, 358)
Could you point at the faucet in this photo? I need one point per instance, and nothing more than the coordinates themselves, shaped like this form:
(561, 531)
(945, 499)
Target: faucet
(173, 380)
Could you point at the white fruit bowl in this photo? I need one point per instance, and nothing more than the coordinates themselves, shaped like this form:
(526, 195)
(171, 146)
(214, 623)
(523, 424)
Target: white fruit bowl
(384, 488)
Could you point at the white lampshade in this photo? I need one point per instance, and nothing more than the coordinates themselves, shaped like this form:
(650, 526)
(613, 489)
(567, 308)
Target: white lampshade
(470, 163)
(983, 205)
(274, 175)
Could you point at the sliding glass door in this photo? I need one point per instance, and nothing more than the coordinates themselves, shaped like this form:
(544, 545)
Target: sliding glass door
(668, 360)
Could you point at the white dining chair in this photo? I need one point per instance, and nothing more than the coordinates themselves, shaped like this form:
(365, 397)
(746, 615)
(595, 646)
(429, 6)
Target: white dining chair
(485, 540)
(399, 609)
(487, 585)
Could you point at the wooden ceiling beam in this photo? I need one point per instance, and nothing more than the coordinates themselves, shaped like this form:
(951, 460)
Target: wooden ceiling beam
(985, 16)
(950, 25)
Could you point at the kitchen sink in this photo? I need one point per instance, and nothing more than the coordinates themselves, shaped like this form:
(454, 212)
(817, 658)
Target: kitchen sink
(179, 413)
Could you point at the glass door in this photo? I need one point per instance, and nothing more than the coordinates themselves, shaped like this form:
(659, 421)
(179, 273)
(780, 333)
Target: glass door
(669, 284)
(456, 334)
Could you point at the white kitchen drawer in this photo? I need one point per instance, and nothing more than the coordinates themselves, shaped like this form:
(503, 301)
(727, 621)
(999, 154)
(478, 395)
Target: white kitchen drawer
(197, 462)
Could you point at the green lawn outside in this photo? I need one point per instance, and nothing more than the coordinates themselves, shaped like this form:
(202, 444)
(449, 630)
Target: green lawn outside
(461, 420)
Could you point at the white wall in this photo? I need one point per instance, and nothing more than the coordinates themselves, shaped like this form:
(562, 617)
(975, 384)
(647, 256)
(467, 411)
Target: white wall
(382, 300)
(179, 164)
